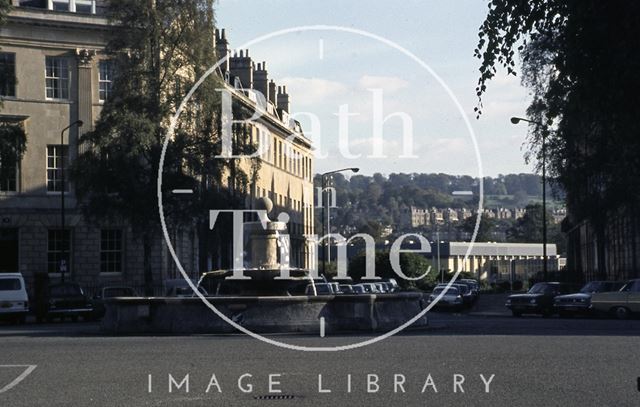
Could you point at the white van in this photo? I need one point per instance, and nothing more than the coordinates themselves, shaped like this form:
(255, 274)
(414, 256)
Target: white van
(14, 301)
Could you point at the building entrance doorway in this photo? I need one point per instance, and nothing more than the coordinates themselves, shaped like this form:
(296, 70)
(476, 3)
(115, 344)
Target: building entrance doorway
(8, 250)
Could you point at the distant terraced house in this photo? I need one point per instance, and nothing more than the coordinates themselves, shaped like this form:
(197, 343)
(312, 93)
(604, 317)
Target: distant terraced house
(58, 74)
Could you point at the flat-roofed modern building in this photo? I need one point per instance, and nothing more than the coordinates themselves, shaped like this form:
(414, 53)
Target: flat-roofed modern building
(494, 261)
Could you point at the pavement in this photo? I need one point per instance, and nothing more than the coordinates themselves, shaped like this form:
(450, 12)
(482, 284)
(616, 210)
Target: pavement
(491, 305)
(528, 361)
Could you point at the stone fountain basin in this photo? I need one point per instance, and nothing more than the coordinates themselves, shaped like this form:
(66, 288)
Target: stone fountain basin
(263, 314)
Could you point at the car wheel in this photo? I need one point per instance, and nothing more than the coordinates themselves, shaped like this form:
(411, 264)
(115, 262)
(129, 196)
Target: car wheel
(621, 312)
(516, 313)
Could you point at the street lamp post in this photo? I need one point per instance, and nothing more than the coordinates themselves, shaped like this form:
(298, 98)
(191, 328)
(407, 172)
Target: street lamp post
(516, 120)
(438, 254)
(63, 263)
(325, 215)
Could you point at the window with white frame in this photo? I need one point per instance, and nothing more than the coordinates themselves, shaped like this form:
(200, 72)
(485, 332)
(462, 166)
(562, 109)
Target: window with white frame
(74, 6)
(55, 155)
(111, 250)
(57, 77)
(105, 79)
(7, 74)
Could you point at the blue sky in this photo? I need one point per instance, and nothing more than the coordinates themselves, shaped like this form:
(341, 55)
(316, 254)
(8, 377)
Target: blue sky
(324, 69)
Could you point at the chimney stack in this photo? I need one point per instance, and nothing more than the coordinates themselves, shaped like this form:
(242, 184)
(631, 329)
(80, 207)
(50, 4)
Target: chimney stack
(272, 92)
(283, 98)
(241, 67)
(222, 50)
(261, 81)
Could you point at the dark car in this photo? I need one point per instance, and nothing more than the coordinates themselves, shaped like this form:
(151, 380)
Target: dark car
(109, 292)
(65, 300)
(579, 303)
(539, 299)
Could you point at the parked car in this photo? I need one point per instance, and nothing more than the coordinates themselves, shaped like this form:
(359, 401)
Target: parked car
(579, 303)
(179, 287)
(539, 299)
(110, 292)
(358, 289)
(369, 288)
(393, 283)
(335, 287)
(620, 304)
(388, 287)
(382, 289)
(14, 301)
(468, 297)
(320, 289)
(451, 299)
(475, 286)
(346, 289)
(65, 300)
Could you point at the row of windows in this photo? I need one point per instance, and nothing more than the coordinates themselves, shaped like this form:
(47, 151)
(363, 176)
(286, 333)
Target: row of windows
(74, 6)
(56, 154)
(59, 248)
(285, 156)
(57, 77)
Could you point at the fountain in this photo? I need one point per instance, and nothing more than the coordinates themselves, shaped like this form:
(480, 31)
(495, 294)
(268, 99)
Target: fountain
(265, 302)
(267, 256)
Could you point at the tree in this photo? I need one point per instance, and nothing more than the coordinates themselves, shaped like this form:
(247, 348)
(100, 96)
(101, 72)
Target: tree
(528, 229)
(580, 60)
(159, 49)
(485, 230)
(5, 7)
(412, 265)
(13, 144)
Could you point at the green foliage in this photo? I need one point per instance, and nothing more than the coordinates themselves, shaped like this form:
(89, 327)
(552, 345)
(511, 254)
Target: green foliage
(528, 229)
(412, 265)
(13, 144)
(368, 202)
(580, 61)
(485, 229)
(158, 51)
(5, 7)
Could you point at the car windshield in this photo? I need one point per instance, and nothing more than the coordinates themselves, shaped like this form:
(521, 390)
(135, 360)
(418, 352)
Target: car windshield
(65, 291)
(450, 291)
(540, 288)
(592, 287)
(10, 284)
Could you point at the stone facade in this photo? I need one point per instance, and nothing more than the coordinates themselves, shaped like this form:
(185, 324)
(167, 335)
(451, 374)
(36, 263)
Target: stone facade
(51, 94)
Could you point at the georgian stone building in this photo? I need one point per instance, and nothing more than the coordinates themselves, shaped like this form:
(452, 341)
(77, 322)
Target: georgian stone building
(54, 49)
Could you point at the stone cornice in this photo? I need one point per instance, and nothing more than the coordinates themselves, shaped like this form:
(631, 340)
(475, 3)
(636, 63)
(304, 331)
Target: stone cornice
(48, 18)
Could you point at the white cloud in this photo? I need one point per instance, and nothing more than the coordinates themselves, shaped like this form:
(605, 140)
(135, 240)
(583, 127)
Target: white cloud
(389, 84)
(312, 91)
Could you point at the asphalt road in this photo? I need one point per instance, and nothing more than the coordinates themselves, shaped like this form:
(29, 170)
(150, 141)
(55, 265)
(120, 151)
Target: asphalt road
(536, 362)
